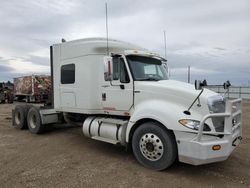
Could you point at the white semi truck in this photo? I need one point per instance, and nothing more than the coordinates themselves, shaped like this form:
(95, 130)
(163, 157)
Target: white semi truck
(122, 95)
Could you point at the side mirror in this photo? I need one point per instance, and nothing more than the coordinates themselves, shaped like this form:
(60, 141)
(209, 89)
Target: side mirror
(108, 68)
(166, 68)
(199, 85)
(226, 84)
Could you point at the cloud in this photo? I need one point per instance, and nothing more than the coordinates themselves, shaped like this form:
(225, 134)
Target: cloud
(19, 66)
(5, 69)
(196, 71)
(220, 48)
(213, 37)
(27, 66)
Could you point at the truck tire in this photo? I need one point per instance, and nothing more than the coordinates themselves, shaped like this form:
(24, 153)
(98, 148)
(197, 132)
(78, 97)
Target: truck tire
(34, 121)
(153, 146)
(19, 116)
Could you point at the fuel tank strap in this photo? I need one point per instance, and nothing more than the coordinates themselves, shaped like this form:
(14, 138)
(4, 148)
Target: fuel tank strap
(90, 125)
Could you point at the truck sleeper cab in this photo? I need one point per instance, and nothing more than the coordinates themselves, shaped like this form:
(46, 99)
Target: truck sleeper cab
(125, 97)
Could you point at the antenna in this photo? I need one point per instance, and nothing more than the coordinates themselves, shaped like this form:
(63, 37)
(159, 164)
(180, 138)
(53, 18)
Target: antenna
(106, 8)
(165, 49)
(165, 43)
(188, 73)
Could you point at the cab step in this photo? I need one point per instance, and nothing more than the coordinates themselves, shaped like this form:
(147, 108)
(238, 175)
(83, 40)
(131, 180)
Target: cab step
(106, 140)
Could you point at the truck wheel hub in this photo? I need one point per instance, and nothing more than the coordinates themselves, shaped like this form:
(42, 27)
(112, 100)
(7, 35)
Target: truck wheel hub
(151, 147)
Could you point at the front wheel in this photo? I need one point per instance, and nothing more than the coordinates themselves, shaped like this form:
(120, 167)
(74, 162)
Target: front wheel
(154, 146)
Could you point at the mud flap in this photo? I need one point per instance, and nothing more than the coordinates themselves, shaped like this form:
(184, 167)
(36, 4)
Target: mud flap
(236, 141)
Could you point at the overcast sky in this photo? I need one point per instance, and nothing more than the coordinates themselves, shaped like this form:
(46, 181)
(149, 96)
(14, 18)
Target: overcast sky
(212, 36)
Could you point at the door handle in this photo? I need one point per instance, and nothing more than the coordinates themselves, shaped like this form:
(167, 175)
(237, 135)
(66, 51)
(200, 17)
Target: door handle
(105, 85)
(122, 86)
(103, 96)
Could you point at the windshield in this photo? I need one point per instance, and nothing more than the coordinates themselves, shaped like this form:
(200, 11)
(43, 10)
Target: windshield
(147, 68)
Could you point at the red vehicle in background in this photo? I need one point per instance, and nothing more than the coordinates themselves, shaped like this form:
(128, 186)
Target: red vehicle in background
(34, 88)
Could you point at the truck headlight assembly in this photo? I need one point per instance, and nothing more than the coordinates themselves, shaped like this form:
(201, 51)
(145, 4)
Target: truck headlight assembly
(193, 124)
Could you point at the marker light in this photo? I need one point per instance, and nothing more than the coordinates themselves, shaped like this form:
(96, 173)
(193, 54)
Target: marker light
(216, 147)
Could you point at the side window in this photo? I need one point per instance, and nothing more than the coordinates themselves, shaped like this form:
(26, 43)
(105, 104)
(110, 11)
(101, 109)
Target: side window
(116, 68)
(124, 78)
(68, 74)
(119, 70)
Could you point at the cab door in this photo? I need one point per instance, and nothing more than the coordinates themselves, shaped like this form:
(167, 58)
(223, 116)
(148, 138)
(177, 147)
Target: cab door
(117, 92)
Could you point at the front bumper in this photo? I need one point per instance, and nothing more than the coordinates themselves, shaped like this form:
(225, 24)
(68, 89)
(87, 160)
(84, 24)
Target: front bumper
(198, 149)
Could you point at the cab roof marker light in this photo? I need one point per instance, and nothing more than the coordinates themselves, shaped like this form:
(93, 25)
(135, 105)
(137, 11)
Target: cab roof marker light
(144, 53)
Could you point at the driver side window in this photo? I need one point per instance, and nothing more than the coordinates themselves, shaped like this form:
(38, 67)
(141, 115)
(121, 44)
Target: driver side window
(120, 70)
(116, 68)
(123, 73)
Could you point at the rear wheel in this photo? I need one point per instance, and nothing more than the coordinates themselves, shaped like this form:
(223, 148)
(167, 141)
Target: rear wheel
(34, 121)
(154, 146)
(19, 117)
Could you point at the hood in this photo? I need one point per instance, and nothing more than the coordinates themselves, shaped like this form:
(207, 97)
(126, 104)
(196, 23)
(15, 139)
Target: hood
(169, 99)
(174, 88)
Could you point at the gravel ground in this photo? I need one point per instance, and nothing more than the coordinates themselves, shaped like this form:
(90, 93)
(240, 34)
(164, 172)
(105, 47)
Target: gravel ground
(63, 157)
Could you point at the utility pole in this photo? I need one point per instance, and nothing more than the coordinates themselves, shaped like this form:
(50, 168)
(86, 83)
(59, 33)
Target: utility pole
(165, 44)
(188, 73)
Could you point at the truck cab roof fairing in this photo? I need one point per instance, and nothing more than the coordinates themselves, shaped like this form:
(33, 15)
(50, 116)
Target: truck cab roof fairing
(94, 46)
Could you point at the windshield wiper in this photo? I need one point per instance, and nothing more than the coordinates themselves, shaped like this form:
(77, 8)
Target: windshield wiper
(148, 79)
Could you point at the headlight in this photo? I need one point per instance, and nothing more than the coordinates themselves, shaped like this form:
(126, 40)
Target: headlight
(216, 104)
(193, 124)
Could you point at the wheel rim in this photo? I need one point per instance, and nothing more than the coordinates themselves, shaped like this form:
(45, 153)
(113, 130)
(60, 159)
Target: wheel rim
(33, 121)
(17, 118)
(151, 147)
